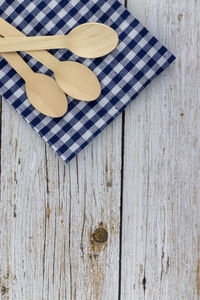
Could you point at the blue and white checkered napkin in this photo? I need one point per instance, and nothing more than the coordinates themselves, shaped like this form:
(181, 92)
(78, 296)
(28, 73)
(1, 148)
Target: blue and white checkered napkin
(123, 74)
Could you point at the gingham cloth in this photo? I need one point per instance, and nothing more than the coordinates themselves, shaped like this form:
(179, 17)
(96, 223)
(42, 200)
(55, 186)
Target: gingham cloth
(123, 74)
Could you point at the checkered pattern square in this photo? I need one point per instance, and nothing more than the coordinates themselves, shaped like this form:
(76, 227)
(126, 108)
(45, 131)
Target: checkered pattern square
(123, 74)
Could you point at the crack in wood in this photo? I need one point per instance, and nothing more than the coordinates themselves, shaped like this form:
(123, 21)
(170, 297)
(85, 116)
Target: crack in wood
(46, 217)
(121, 206)
(69, 248)
(144, 283)
(0, 133)
(148, 197)
(54, 247)
(46, 167)
(84, 217)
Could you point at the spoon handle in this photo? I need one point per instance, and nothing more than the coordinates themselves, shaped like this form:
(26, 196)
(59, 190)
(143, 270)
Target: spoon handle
(47, 59)
(19, 65)
(13, 44)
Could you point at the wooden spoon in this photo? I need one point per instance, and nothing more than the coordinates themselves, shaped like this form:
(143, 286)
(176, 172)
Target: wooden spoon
(89, 40)
(42, 90)
(75, 79)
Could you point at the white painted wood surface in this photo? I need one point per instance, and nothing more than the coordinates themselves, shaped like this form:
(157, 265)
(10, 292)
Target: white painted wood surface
(139, 180)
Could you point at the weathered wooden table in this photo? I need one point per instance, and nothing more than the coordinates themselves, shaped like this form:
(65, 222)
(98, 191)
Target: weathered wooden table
(121, 221)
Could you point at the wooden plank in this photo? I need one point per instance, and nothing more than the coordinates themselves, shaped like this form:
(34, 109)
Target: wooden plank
(161, 231)
(50, 211)
(49, 214)
(91, 189)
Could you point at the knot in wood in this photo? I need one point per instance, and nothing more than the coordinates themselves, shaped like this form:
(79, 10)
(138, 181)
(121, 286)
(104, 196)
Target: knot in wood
(100, 235)
(4, 290)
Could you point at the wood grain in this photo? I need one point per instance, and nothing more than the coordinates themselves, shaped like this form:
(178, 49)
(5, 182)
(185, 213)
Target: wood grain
(50, 211)
(161, 230)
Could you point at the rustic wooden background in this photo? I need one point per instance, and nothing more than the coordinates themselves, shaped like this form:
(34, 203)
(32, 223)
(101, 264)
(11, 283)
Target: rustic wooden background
(121, 221)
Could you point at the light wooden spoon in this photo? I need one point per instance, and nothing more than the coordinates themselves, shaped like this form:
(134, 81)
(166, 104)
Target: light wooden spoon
(42, 90)
(75, 79)
(89, 40)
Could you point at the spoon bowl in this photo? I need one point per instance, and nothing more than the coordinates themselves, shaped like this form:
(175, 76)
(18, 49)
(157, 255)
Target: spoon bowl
(92, 40)
(46, 96)
(42, 91)
(80, 81)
